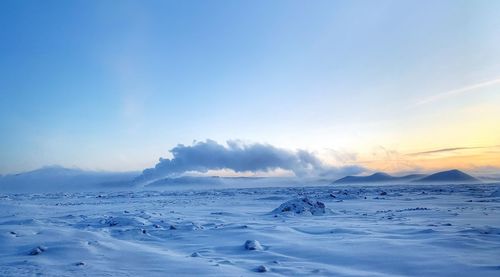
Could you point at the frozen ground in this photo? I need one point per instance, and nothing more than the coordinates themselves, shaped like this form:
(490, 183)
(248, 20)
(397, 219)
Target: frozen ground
(405, 230)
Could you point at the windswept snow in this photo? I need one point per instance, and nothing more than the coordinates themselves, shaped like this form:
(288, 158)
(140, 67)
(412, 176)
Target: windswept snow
(396, 230)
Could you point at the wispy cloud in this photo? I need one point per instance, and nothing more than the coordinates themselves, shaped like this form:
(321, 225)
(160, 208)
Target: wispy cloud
(454, 92)
(452, 149)
(386, 159)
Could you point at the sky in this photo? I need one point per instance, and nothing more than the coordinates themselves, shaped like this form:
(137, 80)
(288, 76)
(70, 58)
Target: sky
(396, 86)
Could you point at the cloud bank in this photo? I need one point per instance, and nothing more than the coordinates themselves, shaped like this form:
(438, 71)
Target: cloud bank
(241, 157)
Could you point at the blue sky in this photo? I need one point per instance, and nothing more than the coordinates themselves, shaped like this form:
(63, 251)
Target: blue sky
(113, 85)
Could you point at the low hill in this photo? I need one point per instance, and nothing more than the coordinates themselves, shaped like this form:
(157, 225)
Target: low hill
(448, 176)
(57, 178)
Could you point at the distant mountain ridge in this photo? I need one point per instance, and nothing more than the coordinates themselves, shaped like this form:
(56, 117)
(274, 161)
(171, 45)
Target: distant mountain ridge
(453, 175)
(56, 178)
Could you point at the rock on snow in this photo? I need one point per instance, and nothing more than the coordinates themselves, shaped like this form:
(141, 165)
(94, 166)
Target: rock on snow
(262, 268)
(253, 245)
(37, 250)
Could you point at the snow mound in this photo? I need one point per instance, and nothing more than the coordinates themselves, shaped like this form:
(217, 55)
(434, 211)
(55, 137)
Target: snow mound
(114, 221)
(302, 206)
(344, 195)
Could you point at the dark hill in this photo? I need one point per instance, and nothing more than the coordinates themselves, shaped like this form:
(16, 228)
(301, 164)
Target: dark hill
(448, 176)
